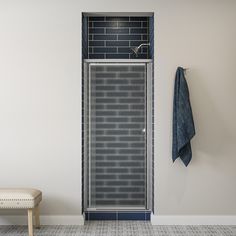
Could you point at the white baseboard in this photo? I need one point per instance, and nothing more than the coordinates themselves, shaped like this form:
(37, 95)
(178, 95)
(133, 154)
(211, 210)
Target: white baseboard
(45, 220)
(155, 220)
(193, 220)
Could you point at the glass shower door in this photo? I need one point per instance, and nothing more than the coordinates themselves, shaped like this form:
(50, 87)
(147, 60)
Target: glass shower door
(116, 134)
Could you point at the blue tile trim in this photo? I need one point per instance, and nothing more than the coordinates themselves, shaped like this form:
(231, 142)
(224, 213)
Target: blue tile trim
(99, 215)
(132, 216)
(148, 216)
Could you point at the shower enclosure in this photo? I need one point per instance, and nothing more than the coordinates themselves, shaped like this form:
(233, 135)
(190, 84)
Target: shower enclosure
(117, 134)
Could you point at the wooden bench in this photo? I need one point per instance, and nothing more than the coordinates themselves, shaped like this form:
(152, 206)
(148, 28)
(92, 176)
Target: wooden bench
(22, 198)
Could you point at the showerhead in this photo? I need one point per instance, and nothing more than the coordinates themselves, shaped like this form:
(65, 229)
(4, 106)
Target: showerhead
(136, 49)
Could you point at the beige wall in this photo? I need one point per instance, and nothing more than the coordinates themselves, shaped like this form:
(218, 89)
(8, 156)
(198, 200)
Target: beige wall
(40, 100)
(199, 35)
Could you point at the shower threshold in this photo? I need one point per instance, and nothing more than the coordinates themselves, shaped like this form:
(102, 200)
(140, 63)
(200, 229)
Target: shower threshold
(117, 209)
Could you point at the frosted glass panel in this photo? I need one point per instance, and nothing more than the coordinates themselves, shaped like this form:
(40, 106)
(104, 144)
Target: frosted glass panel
(117, 140)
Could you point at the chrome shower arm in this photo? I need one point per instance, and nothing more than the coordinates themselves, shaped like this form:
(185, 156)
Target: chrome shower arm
(136, 49)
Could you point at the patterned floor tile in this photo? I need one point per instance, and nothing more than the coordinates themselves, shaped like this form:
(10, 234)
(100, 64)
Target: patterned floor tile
(121, 228)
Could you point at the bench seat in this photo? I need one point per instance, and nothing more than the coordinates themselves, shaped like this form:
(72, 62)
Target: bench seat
(22, 198)
(19, 198)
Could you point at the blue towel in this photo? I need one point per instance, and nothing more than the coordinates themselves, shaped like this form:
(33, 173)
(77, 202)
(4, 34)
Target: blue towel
(183, 125)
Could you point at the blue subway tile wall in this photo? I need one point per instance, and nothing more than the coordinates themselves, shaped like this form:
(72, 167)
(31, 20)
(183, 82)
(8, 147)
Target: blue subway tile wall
(113, 37)
(125, 33)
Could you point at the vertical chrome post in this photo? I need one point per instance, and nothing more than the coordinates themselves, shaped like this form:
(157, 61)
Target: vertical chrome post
(149, 135)
(89, 134)
(85, 143)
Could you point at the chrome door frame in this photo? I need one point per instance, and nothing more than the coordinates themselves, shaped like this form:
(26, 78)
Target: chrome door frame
(148, 62)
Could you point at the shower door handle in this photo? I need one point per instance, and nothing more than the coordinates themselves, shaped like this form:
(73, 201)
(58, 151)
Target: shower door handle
(144, 131)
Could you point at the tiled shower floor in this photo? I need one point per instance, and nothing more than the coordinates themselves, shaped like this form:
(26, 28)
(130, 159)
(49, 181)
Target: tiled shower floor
(121, 228)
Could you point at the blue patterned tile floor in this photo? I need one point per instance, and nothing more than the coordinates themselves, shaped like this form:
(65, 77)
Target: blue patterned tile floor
(121, 228)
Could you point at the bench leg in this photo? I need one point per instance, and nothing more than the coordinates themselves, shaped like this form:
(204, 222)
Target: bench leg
(37, 220)
(30, 222)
